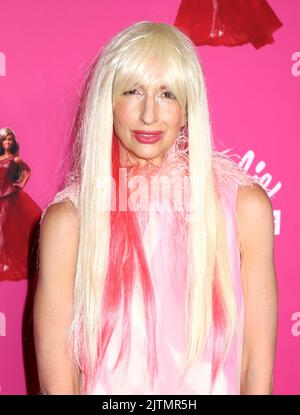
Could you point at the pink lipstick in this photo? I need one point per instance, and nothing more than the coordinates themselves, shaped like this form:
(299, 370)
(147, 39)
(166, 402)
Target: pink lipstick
(147, 137)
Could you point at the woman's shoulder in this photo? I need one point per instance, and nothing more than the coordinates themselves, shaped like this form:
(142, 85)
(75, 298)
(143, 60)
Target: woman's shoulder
(61, 217)
(238, 189)
(69, 192)
(17, 159)
(229, 174)
(64, 206)
(254, 205)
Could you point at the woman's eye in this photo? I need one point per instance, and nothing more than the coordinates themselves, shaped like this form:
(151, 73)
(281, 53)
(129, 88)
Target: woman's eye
(131, 92)
(169, 95)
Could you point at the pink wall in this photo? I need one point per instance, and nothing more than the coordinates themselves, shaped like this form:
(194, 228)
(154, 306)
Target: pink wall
(253, 98)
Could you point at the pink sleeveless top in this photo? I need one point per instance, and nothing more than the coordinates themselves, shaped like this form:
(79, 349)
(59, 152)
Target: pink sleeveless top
(168, 271)
(167, 261)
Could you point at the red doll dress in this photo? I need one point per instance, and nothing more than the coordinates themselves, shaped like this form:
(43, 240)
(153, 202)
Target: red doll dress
(19, 217)
(227, 22)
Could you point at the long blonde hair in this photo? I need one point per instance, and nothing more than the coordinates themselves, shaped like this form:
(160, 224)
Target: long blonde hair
(121, 63)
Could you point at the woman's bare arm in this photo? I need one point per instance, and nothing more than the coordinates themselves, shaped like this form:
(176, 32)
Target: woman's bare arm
(53, 304)
(25, 173)
(256, 239)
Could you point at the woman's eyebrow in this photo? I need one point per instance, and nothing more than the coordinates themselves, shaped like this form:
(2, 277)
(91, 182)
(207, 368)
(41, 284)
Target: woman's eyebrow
(142, 86)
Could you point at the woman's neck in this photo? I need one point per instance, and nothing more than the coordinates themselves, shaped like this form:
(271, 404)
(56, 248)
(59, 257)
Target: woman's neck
(128, 159)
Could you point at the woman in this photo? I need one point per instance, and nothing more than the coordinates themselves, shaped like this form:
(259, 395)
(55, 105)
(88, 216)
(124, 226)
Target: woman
(19, 214)
(139, 293)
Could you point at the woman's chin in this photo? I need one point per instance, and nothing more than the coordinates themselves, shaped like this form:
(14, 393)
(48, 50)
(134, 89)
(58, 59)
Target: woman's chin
(147, 156)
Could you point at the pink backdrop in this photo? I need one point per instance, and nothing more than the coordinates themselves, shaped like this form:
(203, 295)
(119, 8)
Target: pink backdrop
(44, 48)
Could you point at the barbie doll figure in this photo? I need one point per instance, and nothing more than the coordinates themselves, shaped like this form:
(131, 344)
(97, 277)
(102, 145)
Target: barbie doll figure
(139, 293)
(19, 214)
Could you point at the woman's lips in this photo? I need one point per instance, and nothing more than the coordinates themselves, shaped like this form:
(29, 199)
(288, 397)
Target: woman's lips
(147, 138)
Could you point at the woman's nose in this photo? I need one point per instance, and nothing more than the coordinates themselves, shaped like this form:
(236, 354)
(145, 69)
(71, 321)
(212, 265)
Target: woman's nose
(149, 110)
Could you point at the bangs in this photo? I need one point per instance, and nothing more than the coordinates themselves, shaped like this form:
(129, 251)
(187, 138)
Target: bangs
(140, 62)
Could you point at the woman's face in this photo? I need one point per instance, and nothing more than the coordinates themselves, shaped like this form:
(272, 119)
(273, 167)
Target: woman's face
(7, 143)
(147, 109)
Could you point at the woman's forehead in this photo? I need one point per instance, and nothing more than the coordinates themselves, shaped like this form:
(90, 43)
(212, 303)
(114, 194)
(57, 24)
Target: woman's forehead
(143, 84)
(148, 73)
